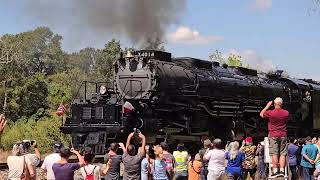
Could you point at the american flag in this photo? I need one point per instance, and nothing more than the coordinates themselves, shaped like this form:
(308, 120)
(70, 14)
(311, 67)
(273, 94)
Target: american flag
(61, 110)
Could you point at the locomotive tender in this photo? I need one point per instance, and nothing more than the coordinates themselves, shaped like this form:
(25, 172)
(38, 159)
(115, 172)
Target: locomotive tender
(186, 98)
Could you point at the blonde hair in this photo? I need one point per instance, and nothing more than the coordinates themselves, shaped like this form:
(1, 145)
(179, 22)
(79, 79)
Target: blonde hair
(233, 149)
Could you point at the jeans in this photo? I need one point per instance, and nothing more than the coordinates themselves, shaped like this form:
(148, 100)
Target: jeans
(215, 175)
(307, 173)
(204, 173)
(181, 176)
(261, 170)
(294, 173)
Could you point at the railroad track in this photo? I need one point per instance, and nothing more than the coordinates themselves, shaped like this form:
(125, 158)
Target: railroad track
(97, 159)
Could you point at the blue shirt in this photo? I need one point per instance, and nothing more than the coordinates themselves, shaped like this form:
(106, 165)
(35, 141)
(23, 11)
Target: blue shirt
(144, 169)
(159, 170)
(234, 166)
(311, 151)
(292, 154)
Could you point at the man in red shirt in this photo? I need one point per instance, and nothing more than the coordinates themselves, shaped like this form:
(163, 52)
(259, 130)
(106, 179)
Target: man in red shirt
(277, 126)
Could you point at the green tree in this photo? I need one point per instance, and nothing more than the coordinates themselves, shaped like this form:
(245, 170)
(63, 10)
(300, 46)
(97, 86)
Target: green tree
(234, 60)
(63, 87)
(29, 97)
(105, 60)
(39, 51)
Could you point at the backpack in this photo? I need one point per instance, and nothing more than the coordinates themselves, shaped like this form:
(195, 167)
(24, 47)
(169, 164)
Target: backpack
(25, 174)
(91, 175)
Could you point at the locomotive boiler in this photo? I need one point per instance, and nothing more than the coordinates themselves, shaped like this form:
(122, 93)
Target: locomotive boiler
(184, 99)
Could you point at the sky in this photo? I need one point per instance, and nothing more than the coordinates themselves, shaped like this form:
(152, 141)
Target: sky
(268, 34)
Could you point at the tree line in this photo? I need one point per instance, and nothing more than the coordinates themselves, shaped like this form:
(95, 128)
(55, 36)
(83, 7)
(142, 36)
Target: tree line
(37, 75)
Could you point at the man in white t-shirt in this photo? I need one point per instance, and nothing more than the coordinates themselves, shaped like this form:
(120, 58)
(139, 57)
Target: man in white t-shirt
(216, 159)
(50, 160)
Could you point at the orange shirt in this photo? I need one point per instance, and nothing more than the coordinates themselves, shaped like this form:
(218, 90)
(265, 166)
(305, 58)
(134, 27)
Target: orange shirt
(194, 170)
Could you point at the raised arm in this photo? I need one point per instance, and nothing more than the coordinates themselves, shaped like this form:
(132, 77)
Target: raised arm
(36, 150)
(206, 155)
(265, 109)
(122, 147)
(142, 148)
(242, 145)
(104, 171)
(81, 159)
(3, 123)
(129, 139)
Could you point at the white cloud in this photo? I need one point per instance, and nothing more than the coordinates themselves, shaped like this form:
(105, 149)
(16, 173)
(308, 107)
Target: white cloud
(253, 59)
(185, 35)
(260, 5)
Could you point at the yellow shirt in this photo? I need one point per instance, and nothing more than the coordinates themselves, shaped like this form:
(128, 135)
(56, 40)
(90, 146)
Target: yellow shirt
(181, 158)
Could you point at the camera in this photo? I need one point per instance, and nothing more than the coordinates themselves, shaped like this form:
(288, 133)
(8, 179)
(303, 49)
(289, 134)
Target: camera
(28, 143)
(136, 131)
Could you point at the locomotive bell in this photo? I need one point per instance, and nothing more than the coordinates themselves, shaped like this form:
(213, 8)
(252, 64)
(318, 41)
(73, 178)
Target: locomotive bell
(129, 55)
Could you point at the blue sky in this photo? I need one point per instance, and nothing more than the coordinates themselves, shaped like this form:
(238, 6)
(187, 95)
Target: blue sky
(266, 33)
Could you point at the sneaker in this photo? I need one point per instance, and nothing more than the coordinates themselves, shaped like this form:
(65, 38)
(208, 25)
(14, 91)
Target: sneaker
(274, 175)
(280, 174)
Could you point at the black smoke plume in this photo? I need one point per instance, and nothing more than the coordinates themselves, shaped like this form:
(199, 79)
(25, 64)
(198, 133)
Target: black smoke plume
(137, 20)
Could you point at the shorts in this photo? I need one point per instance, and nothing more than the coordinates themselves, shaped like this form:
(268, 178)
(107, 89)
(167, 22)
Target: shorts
(278, 146)
(249, 171)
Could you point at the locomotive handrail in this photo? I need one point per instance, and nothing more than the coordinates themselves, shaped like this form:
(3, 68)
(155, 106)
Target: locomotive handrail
(85, 88)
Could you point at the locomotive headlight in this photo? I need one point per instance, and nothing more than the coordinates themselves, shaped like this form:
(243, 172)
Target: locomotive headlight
(103, 90)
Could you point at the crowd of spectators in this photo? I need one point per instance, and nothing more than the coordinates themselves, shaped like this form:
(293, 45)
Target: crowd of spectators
(213, 161)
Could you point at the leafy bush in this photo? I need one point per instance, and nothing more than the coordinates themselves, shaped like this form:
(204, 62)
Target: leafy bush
(45, 131)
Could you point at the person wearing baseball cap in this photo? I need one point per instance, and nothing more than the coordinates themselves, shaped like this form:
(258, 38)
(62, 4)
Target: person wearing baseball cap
(277, 127)
(51, 159)
(249, 165)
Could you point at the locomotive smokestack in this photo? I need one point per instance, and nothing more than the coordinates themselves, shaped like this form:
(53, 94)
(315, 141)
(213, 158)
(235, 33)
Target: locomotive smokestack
(141, 21)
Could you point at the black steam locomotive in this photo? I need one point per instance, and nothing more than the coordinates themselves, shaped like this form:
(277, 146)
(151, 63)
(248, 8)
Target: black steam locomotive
(184, 99)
